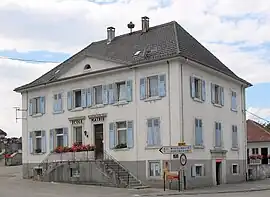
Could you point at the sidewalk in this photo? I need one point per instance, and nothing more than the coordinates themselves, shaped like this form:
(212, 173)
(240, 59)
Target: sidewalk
(251, 186)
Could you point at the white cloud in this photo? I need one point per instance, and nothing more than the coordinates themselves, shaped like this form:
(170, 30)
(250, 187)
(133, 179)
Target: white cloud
(69, 25)
(13, 74)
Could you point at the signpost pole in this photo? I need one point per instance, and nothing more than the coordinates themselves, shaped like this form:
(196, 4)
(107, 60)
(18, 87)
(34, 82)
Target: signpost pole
(179, 188)
(164, 181)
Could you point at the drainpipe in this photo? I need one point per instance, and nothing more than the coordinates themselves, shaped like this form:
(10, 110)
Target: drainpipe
(169, 103)
(243, 101)
(182, 105)
(137, 118)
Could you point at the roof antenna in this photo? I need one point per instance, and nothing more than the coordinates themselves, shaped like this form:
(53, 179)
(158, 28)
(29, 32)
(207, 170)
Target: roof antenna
(130, 26)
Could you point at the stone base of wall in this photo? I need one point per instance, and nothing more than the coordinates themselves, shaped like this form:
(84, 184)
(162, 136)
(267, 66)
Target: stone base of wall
(259, 172)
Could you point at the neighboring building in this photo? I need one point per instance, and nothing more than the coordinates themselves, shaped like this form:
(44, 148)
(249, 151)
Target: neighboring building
(129, 95)
(3, 134)
(258, 142)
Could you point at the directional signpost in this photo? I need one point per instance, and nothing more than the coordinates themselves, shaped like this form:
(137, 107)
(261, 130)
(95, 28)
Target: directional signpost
(175, 149)
(182, 148)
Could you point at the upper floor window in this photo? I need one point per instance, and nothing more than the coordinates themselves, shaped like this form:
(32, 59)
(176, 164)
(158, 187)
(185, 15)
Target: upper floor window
(77, 98)
(153, 132)
(234, 137)
(217, 94)
(121, 91)
(218, 135)
(233, 101)
(153, 86)
(98, 95)
(198, 133)
(37, 106)
(57, 103)
(197, 88)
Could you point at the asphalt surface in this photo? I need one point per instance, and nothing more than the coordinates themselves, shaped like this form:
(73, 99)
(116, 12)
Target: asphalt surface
(12, 185)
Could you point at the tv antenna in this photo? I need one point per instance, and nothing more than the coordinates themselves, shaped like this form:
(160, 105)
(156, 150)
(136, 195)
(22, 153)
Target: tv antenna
(18, 109)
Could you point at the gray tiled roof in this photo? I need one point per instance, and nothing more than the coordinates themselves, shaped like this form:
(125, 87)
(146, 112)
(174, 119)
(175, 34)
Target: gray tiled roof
(162, 42)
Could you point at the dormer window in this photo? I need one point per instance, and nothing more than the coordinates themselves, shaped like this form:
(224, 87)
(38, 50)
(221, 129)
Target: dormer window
(87, 67)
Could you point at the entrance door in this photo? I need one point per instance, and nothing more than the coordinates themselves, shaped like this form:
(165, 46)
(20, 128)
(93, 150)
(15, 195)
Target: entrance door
(98, 132)
(218, 172)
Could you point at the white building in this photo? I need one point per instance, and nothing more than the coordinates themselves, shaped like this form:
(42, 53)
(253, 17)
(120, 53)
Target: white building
(138, 92)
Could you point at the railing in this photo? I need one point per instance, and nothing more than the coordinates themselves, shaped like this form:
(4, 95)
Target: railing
(120, 168)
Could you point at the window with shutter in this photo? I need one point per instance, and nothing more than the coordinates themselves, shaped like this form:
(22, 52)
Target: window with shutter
(217, 94)
(153, 132)
(197, 89)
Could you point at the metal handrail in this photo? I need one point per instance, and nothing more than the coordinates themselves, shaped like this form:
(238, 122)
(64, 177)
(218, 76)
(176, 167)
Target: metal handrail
(106, 154)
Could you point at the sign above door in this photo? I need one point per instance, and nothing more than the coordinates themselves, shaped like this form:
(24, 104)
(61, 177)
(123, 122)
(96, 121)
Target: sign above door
(97, 117)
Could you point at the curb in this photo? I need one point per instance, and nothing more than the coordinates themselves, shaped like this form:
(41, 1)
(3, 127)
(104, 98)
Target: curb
(209, 192)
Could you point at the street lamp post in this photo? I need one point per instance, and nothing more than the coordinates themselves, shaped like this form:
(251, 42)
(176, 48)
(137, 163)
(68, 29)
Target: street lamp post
(5, 143)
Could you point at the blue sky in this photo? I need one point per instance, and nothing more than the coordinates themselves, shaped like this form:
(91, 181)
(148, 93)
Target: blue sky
(237, 32)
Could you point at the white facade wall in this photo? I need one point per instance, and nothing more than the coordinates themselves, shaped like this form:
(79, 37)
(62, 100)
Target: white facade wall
(168, 109)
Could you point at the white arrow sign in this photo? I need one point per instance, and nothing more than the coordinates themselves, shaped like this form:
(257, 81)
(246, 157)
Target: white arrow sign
(175, 149)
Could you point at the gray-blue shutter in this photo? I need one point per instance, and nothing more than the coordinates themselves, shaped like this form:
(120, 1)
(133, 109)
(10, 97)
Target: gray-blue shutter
(105, 95)
(55, 103)
(198, 132)
(150, 131)
(111, 94)
(156, 131)
(60, 102)
(203, 90)
(129, 90)
(222, 95)
(142, 88)
(42, 104)
(69, 100)
(89, 97)
(130, 134)
(83, 97)
(30, 143)
(218, 134)
(111, 135)
(43, 141)
(65, 137)
(192, 87)
(162, 85)
(30, 107)
(212, 93)
(52, 139)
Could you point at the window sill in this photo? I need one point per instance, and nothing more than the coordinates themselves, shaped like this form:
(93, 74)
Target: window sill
(235, 149)
(152, 99)
(234, 110)
(235, 174)
(152, 147)
(77, 109)
(121, 149)
(97, 106)
(198, 100)
(217, 105)
(198, 146)
(59, 112)
(37, 115)
(155, 178)
(120, 103)
(198, 176)
(38, 154)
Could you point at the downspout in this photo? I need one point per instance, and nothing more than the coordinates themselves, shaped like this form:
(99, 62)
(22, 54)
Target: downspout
(136, 122)
(243, 99)
(169, 102)
(26, 128)
(182, 105)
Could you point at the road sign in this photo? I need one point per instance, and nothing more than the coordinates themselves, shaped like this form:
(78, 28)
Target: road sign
(175, 149)
(183, 159)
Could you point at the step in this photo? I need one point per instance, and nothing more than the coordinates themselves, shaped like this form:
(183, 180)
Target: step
(141, 187)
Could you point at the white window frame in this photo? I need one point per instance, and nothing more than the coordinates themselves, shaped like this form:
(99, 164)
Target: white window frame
(118, 90)
(148, 86)
(74, 99)
(237, 169)
(74, 131)
(38, 137)
(202, 170)
(234, 94)
(198, 94)
(36, 103)
(120, 129)
(58, 135)
(153, 119)
(254, 151)
(218, 94)
(95, 94)
(149, 169)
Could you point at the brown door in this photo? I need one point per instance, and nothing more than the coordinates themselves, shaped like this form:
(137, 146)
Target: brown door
(98, 130)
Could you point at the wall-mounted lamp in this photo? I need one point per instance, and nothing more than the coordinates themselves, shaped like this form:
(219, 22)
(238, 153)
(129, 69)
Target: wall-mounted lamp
(85, 133)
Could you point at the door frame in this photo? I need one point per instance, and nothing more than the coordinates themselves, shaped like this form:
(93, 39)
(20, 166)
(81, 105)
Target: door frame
(94, 134)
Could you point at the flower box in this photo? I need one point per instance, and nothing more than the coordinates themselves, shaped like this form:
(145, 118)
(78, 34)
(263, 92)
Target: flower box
(255, 161)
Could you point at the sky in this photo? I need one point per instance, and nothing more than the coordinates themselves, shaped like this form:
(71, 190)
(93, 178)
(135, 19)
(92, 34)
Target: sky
(237, 32)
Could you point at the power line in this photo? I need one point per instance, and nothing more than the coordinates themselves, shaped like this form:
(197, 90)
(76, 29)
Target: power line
(28, 60)
(258, 116)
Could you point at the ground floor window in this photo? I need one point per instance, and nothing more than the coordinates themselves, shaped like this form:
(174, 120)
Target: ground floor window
(235, 169)
(197, 170)
(59, 137)
(154, 169)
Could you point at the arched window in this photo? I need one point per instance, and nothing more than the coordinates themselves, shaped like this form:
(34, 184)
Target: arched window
(87, 67)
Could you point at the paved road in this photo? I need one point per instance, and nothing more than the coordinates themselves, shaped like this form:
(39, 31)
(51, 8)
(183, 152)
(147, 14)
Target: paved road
(12, 185)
